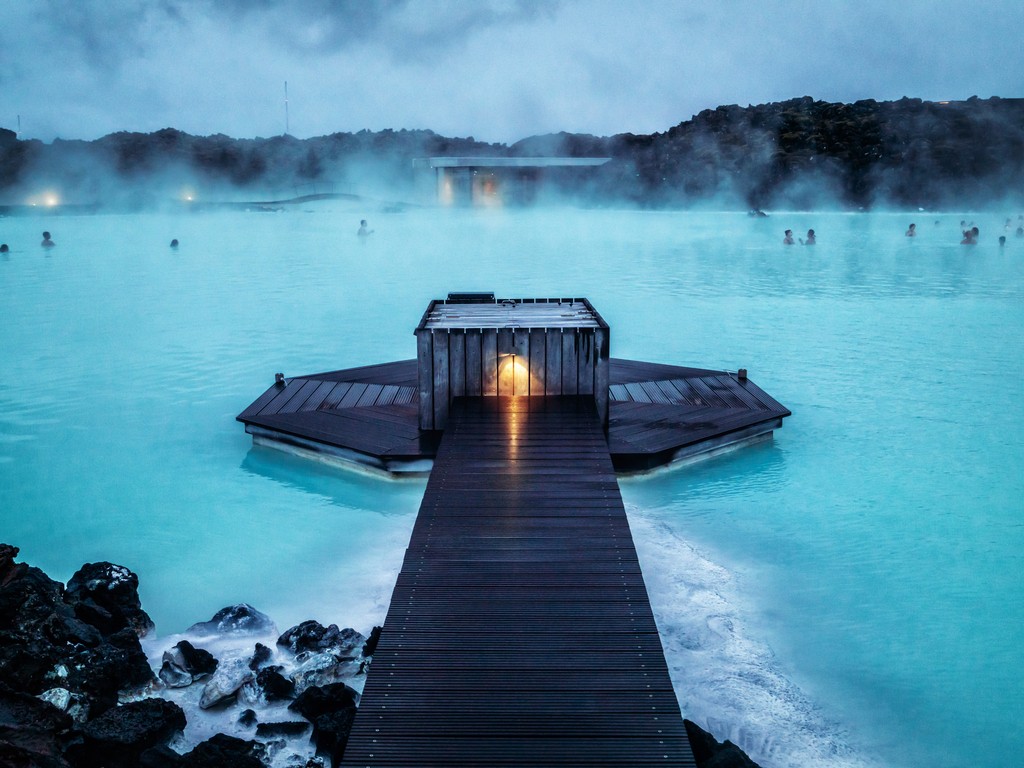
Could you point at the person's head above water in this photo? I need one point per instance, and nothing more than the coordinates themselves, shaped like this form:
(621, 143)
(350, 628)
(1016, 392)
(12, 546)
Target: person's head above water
(46, 239)
(362, 222)
(4, 248)
(1002, 239)
(789, 232)
(174, 243)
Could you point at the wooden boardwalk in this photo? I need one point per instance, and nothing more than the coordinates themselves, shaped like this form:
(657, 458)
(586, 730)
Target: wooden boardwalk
(520, 632)
(657, 413)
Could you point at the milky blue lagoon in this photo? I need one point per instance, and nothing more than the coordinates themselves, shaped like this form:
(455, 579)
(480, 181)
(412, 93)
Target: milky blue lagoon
(849, 594)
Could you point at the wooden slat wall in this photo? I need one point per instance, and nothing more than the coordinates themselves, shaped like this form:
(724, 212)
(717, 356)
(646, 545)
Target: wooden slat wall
(442, 393)
(425, 376)
(474, 362)
(570, 370)
(553, 353)
(538, 362)
(519, 631)
(550, 361)
(489, 359)
(521, 371)
(457, 362)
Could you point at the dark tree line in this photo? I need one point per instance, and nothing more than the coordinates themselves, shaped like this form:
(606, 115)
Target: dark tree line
(801, 152)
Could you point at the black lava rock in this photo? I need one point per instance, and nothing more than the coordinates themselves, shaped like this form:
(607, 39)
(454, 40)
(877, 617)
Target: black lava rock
(44, 644)
(32, 732)
(107, 596)
(119, 736)
(161, 757)
(275, 686)
(312, 637)
(241, 619)
(316, 701)
(330, 732)
(118, 664)
(260, 657)
(197, 661)
(223, 751)
(710, 754)
(247, 719)
(287, 728)
(371, 642)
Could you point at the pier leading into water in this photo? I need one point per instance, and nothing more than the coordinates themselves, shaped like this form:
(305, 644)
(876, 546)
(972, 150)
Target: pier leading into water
(519, 631)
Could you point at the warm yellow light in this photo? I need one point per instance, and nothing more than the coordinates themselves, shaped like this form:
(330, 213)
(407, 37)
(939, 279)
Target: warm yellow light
(47, 197)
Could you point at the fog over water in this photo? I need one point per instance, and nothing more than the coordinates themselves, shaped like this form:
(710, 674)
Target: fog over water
(845, 595)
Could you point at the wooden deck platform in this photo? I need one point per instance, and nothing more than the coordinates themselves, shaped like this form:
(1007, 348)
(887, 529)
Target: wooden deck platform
(520, 632)
(369, 416)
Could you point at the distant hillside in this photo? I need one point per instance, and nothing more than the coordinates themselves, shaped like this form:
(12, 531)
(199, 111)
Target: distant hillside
(801, 153)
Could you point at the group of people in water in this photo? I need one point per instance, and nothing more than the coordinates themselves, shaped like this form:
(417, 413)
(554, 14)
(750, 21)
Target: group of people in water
(788, 239)
(969, 231)
(47, 243)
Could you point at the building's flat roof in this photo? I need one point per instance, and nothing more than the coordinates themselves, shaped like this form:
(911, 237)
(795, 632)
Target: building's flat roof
(567, 313)
(508, 162)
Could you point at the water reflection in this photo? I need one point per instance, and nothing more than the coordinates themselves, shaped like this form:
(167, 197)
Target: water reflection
(349, 489)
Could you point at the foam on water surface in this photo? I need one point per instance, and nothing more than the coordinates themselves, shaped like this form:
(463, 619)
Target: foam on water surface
(725, 675)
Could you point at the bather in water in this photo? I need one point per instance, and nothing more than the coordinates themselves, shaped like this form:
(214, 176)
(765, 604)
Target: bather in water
(788, 239)
(47, 242)
(810, 238)
(912, 232)
(970, 236)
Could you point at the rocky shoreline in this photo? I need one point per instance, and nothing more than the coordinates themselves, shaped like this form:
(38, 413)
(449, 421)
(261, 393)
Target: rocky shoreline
(84, 682)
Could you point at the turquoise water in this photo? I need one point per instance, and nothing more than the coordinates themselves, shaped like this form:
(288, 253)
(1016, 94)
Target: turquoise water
(849, 594)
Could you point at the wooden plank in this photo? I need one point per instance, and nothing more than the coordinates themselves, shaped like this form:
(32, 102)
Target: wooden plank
(538, 362)
(300, 397)
(637, 393)
(585, 363)
(505, 363)
(489, 361)
(519, 631)
(474, 371)
(369, 396)
(335, 396)
(441, 391)
(352, 396)
(425, 372)
(553, 362)
(315, 400)
(521, 367)
(457, 363)
(387, 395)
(570, 370)
(283, 397)
(602, 341)
(260, 403)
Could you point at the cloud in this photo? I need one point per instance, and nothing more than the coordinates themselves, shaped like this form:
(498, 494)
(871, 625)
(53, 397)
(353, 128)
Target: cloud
(496, 69)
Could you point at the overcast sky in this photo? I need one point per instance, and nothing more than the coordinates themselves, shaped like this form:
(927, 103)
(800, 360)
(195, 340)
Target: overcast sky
(498, 70)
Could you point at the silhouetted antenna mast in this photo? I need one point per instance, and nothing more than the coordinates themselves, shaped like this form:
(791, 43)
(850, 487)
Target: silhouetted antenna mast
(286, 106)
